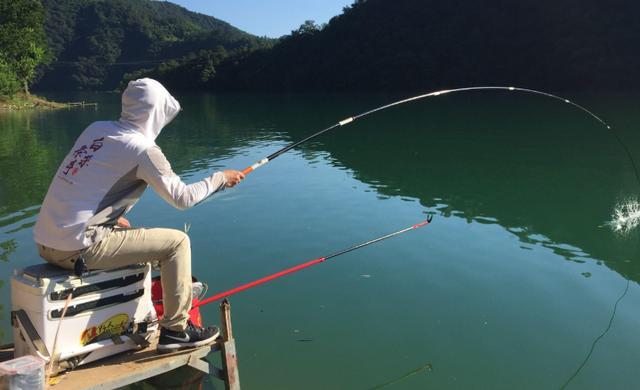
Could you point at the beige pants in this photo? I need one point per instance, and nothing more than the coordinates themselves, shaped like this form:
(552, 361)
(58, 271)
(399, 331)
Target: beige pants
(124, 247)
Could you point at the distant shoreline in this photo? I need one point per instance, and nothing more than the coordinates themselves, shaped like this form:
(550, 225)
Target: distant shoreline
(22, 102)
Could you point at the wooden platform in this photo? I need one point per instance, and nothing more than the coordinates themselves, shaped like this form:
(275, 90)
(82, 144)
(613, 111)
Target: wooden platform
(136, 366)
(127, 368)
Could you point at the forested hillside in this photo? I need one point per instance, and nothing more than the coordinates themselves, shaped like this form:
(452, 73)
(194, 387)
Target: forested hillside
(426, 44)
(95, 42)
(374, 45)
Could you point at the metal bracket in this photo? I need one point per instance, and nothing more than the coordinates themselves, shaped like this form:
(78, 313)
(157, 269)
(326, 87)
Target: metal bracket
(21, 319)
(116, 339)
(139, 340)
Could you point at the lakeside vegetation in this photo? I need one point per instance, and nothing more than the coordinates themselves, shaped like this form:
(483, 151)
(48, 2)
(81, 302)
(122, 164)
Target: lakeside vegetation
(22, 44)
(22, 101)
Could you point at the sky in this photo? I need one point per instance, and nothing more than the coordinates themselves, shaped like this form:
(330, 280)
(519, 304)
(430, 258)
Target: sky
(272, 18)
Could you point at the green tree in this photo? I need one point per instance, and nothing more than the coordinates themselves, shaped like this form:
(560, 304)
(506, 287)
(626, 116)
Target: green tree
(22, 40)
(309, 27)
(9, 83)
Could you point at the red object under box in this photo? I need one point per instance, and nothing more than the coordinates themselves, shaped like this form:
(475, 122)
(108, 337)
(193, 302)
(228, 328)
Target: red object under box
(156, 297)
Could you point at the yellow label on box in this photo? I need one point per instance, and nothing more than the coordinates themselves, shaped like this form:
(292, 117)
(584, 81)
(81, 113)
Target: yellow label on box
(115, 325)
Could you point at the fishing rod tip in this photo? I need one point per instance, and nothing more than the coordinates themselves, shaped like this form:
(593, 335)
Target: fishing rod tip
(421, 224)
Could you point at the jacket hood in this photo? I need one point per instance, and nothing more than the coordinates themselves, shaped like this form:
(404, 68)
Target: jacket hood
(147, 107)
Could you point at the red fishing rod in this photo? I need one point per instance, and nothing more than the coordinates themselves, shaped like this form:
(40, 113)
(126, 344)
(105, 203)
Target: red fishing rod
(307, 264)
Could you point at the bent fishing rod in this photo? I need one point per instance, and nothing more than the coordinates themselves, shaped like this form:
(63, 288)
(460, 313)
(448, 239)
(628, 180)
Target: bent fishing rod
(308, 264)
(440, 93)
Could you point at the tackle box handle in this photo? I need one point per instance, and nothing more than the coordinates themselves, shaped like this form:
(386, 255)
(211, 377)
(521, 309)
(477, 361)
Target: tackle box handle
(80, 308)
(108, 284)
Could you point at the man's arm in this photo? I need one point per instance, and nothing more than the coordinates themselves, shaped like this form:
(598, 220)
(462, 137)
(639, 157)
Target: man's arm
(154, 169)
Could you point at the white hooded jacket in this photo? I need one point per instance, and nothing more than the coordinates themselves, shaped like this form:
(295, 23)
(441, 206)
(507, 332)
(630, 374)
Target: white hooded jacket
(108, 169)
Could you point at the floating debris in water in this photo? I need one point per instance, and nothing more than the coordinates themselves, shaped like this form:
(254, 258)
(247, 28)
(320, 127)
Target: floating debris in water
(626, 216)
(366, 276)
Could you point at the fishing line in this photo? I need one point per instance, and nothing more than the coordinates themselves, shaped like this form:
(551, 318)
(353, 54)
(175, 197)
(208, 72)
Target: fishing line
(593, 345)
(621, 222)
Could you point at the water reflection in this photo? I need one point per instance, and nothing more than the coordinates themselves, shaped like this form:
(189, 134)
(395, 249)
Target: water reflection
(26, 158)
(2, 315)
(6, 248)
(548, 175)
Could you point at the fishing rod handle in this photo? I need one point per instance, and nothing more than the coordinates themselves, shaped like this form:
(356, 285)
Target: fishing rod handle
(255, 166)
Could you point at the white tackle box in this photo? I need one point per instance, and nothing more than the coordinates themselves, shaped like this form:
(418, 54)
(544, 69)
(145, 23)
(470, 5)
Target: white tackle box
(110, 312)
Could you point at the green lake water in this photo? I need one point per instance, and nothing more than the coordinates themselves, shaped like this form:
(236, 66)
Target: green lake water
(517, 283)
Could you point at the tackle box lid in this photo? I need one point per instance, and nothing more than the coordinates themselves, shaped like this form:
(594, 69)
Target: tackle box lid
(44, 278)
(50, 271)
(46, 270)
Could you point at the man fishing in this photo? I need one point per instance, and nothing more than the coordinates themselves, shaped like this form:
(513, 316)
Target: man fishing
(81, 222)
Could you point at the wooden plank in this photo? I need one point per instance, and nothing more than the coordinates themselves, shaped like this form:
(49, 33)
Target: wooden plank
(198, 364)
(230, 364)
(128, 368)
